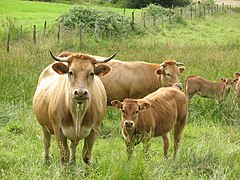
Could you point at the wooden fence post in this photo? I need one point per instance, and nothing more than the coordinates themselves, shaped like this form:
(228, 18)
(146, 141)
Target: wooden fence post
(181, 11)
(154, 20)
(96, 31)
(191, 11)
(8, 40)
(144, 19)
(132, 22)
(20, 33)
(45, 28)
(34, 35)
(58, 36)
(80, 33)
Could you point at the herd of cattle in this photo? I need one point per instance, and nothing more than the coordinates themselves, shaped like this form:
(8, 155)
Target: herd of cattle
(72, 95)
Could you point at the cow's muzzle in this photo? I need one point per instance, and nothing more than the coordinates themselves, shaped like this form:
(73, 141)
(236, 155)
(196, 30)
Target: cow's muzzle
(128, 124)
(178, 85)
(80, 94)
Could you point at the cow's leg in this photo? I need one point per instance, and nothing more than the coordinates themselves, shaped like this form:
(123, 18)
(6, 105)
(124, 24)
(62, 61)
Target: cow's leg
(62, 144)
(47, 143)
(178, 129)
(166, 144)
(73, 148)
(88, 145)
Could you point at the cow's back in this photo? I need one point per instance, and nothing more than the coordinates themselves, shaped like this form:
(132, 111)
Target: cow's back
(168, 106)
(130, 80)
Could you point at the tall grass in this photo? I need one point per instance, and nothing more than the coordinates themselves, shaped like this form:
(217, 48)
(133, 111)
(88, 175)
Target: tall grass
(210, 144)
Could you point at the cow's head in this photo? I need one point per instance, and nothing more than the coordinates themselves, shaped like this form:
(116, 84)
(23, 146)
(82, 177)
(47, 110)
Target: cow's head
(229, 82)
(81, 70)
(169, 72)
(130, 110)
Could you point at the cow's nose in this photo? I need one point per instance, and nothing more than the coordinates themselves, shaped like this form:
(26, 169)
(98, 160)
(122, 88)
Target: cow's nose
(80, 93)
(128, 124)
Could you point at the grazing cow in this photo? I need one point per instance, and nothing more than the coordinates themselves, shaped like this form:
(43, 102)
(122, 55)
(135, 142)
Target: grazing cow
(237, 88)
(137, 79)
(154, 115)
(70, 102)
(206, 88)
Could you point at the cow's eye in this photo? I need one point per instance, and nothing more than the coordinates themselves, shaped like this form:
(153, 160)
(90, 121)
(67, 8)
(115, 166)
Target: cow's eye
(70, 73)
(136, 111)
(91, 74)
(168, 74)
(123, 110)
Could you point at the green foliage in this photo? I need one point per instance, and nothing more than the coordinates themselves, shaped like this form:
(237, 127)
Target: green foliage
(106, 21)
(210, 144)
(160, 12)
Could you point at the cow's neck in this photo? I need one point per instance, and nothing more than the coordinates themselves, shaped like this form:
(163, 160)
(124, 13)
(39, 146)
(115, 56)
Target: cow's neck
(78, 111)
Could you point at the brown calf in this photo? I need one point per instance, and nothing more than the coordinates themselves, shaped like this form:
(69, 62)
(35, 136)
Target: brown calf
(154, 115)
(206, 88)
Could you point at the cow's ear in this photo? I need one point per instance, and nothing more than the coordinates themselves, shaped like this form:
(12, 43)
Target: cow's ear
(223, 80)
(102, 69)
(181, 69)
(60, 68)
(117, 104)
(237, 74)
(144, 105)
(159, 71)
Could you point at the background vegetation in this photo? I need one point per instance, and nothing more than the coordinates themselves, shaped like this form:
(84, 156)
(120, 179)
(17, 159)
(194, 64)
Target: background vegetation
(210, 145)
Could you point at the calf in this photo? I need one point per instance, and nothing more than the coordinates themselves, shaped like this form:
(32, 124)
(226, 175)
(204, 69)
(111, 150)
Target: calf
(237, 88)
(154, 115)
(206, 88)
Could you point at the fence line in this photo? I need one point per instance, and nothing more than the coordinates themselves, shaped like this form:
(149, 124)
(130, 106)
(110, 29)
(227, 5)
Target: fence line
(189, 13)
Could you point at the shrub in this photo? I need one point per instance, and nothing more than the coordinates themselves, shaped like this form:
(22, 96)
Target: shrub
(106, 20)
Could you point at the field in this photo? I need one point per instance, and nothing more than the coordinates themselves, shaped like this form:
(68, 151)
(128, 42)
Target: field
(210, 146)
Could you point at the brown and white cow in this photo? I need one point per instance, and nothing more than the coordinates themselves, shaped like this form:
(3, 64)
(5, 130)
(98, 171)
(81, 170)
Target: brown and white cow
(70, 102)
(206, 88)
(138, 79)
(154, 115)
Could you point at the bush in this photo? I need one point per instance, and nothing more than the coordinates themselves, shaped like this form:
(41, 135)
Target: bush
(159, 11)
(106, 20)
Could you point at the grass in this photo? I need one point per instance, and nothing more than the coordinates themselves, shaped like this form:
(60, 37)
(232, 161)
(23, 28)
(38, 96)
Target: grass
(210, 144)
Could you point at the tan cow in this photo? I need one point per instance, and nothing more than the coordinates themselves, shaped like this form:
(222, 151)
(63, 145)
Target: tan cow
(154, 115)
(70, 102)
(137, 79)
(206, 88)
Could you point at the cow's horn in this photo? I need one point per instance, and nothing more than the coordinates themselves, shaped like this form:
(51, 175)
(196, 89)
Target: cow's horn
(62, 59)
(107, 59)
(162, 64)
(181, 64)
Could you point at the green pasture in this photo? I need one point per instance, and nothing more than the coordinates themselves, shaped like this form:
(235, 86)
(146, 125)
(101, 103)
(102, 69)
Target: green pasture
(210, 146)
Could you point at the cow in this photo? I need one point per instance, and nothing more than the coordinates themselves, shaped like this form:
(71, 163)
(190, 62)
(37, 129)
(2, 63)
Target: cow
(237, 87)
(153, 116)
(70, 102)
(136, 79)
(206, 88)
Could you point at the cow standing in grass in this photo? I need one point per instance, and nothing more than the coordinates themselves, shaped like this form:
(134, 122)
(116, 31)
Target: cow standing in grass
(70, 102)
(138, 79)
(206, 88)
(154, 115)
